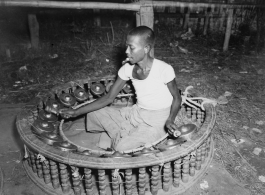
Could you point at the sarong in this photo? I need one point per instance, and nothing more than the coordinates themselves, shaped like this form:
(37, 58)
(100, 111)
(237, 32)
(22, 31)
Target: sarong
(129, 127)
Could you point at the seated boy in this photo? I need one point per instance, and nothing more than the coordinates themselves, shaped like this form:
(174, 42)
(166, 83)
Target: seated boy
(158, 98)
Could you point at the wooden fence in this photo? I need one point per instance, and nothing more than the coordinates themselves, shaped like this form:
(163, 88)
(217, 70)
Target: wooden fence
(222, 9)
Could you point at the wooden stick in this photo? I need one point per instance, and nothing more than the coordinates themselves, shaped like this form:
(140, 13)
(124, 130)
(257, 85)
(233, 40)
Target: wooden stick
(112, 30)
(108, 38)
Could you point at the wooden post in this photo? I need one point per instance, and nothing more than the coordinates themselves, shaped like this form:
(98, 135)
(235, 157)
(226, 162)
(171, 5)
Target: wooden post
(146, 18)
(186, 19)
(222, 18)
(97, 20)
(228, 29)
(138, 19)
(34, 30)
(206, 21)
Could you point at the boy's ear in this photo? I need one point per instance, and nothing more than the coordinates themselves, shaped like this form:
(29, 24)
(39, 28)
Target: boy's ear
(147, 48)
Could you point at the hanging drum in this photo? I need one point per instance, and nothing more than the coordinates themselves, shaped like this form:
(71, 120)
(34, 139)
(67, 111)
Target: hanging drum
(40, 126)
(47, 116)
(53, 106)
(72, 163)
(97, 89)
(81, 95)
(67, 99)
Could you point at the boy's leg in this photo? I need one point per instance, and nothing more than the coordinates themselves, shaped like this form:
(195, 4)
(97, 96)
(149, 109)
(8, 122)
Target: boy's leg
(110, 121)
(142, 135)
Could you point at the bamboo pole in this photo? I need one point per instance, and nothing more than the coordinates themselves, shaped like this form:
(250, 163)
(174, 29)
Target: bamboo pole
(72, 5)
(228, 29)
(192, 5)
(114, 6)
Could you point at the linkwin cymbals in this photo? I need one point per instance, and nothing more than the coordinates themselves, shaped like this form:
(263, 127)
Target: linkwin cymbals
(187, 130)
(47, 116)
(171, 143)
(53, 106)
(67, 99)
(50, 138)
(81, 95)
(97, 89)
(40, 126)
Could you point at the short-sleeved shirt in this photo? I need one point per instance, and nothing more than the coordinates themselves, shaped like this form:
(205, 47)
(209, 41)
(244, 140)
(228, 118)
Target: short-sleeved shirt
(152, 93)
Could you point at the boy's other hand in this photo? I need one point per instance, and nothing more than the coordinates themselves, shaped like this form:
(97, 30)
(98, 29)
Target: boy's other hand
(171, 127)
(68, 113)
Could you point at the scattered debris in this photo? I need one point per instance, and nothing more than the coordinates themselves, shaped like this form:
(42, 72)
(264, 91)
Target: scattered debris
(188, 35)
(227, 93)
(204, 185)
(215, 50)
(261, 71)
(262, 178)
(245, 127)
(180, 49)
(257, 151)
(237, 141)
(53, 56)
(260, 122)
(256, 130)
(17, 161)
(184, 70)
(222, 100)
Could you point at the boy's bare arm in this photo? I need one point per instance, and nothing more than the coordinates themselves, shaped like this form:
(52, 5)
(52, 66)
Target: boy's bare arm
(173, 88)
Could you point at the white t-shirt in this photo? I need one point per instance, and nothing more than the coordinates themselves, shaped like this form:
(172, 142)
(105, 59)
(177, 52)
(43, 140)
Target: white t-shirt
(152, 93)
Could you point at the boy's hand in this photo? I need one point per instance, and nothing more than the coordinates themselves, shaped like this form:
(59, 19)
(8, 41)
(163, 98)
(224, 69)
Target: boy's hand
(172, 128)
(68, 113)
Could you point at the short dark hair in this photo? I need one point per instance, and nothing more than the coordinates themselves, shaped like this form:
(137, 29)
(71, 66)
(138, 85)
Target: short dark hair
(146, 33)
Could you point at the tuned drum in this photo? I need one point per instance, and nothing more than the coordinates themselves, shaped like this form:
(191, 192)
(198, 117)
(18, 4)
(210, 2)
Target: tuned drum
(59, 165)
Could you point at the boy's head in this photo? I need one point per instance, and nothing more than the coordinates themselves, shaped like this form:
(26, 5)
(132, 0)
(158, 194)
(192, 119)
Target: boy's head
(146, 34)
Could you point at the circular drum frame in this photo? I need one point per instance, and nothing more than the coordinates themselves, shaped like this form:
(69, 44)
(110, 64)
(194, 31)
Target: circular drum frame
(167, 172)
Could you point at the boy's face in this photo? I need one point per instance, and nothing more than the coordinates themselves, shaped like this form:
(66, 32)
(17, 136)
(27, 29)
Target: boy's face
(135, 49)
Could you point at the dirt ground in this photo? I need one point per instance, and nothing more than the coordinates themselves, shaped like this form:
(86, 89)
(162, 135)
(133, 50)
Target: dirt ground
(72, 48)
